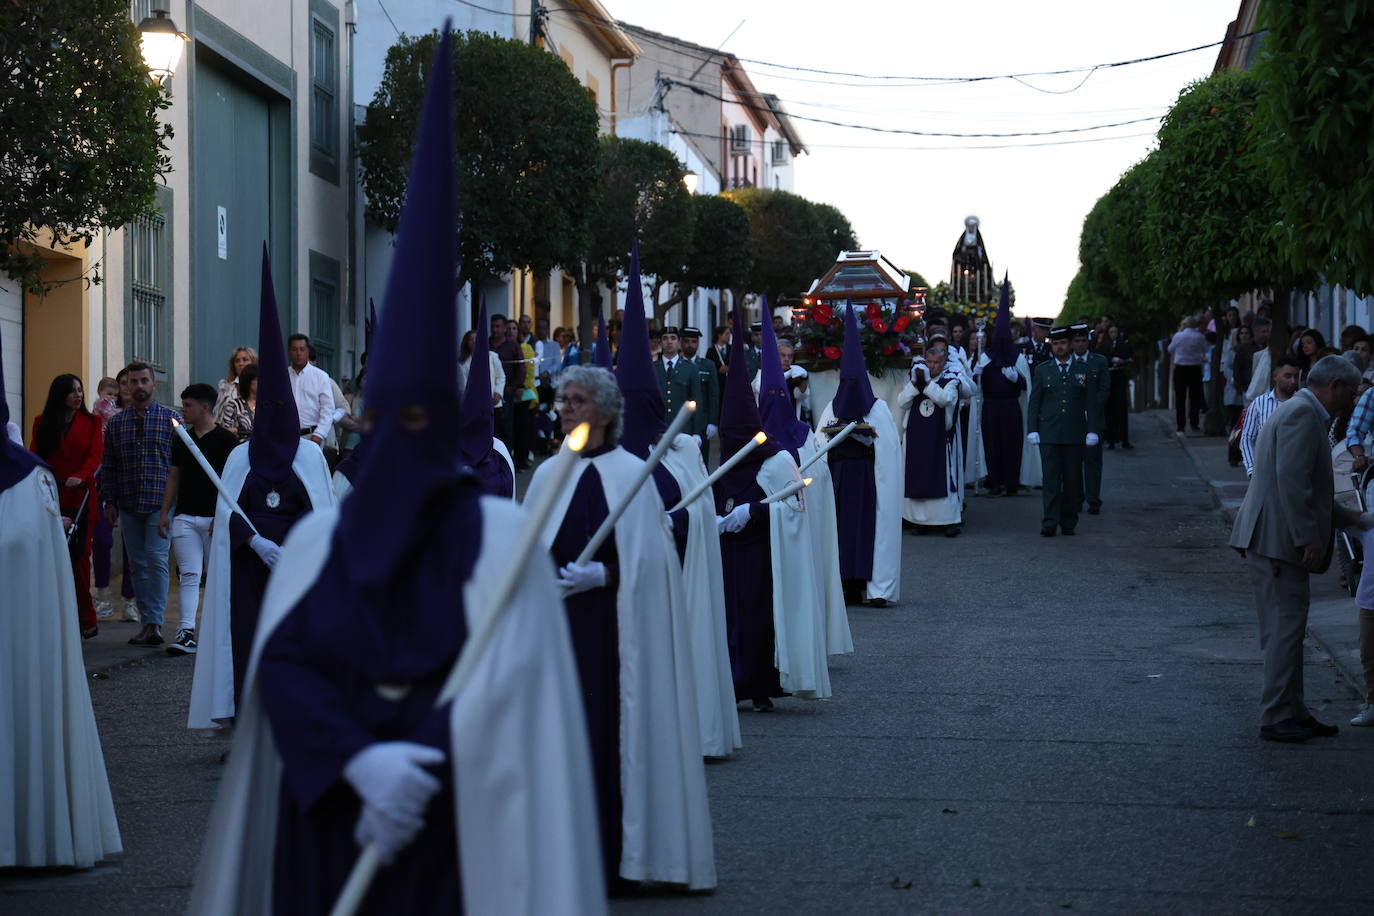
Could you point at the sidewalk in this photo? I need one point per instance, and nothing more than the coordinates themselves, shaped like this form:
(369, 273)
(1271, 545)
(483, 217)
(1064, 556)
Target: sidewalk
(110, 648)
(1333, 621)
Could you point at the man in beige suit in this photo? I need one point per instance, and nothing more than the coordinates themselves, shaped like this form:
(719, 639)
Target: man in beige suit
(1283, 530)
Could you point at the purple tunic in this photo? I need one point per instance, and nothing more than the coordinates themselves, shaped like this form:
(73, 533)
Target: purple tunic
(595, 632)
(927, 449)
(495, 476)
(247, 573)
(1002, 428)
(856, 506)
(747, 564)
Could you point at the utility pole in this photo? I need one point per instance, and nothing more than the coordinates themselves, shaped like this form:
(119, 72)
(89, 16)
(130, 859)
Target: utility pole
(535, 13)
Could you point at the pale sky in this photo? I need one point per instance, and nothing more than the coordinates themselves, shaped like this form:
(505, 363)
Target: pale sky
(908, 198)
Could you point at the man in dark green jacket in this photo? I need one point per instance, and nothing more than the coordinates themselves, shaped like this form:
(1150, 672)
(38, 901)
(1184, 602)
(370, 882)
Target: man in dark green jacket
(1099, 381)
(677, 377)
(1060, 423)
(709, 408)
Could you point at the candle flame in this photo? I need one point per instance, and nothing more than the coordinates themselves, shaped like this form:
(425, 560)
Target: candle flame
(806, 481)
(174, 422)
(760, 437)
(577, 439)
(690, 405)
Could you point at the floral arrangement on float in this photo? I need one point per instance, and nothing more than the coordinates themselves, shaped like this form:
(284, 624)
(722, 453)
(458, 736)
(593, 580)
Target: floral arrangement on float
(941, 298)
(889, 332)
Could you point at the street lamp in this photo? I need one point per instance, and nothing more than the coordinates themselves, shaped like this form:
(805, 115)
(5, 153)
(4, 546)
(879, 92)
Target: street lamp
(162, 45)
(690, 180)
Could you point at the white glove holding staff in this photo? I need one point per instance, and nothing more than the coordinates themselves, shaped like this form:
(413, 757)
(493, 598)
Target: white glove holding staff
(268, 551)
(1091, 439)
(734, 521)
(711, 430)
(574, 579)
(395, 788)
(1033, 438)
(1009, 373)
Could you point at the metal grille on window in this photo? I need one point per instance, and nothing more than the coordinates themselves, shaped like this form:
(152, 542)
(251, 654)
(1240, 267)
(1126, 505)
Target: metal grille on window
(323, 86)
(149, 296)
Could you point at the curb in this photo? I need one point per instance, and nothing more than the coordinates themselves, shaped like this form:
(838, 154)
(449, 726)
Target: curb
(1349, 672)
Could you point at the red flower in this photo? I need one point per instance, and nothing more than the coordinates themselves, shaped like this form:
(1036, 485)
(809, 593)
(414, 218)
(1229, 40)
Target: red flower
(889, 349)
(831, 352)
(821, 314)
(900, 324)
(873, 310)
(878, 325)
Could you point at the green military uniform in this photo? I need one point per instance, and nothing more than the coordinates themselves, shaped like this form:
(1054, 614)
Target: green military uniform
(708, 409)
(1099, 383)
(1058, 412)
(680, 384)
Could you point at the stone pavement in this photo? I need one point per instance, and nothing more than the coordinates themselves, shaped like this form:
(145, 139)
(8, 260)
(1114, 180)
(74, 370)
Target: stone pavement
(1333, 620)
(1039, 725)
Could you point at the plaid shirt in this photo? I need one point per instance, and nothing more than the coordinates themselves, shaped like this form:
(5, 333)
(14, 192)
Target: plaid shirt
(1361, 421)
(138, 451)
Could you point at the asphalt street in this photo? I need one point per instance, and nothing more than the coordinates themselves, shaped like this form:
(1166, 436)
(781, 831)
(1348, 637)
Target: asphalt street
(1040, 725)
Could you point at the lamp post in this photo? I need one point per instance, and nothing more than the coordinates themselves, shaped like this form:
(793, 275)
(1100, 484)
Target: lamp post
(162, 45)
(690, 180)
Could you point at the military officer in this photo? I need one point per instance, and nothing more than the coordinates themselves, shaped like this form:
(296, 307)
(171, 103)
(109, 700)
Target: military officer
(1060, 423)
(678, 378)
(1038, 346)
(709, 408)
(1099, 380)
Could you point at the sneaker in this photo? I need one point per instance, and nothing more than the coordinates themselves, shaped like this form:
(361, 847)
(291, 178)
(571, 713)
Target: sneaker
(131, 612)
(184, 644)
(1365, 716)
(103, 610)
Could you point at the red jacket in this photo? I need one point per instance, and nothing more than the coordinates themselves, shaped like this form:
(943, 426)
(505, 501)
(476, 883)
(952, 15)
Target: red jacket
(77, 456)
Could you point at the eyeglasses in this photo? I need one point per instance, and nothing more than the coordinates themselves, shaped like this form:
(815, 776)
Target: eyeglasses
(576, 401)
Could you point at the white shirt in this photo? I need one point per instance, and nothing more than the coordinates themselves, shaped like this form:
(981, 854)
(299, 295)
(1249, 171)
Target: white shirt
(1255, 415)
(314, 398)
(498, 375)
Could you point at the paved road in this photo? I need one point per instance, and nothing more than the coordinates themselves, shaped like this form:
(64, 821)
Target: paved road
(1040, 725)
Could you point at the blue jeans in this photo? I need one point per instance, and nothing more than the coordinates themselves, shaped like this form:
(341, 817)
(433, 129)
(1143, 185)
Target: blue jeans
(148, 557)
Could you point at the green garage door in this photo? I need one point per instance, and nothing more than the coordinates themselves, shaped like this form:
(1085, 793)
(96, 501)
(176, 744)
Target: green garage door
(235, 208)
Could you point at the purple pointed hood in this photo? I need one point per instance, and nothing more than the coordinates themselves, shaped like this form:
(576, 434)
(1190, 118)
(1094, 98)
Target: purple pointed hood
(739, 414)
(412, 477)
(854, 396)
(276, 424)
(478, 424)
(778, 412)
(1001, 350)
(646, 416)
(16, 462)
(601, 353)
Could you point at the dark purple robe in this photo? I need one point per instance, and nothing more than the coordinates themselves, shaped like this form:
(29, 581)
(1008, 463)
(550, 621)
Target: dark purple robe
(318, 675)
(747, 566)
(247, 573)
(856, 505)
(1002, 428)
(595, 632)
(495, 475)
(927, 449)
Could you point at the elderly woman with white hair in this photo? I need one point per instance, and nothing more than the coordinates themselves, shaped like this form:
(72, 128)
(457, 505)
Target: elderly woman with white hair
(630, 639)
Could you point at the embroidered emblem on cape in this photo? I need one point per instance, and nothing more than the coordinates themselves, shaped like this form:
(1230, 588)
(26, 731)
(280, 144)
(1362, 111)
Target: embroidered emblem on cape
(927, 408)
(273, 499)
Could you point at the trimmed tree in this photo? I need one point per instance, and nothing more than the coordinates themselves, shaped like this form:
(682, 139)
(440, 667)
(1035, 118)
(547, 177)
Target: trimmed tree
(1314, 136)
(526, 150)
(788, 241)
(839, 234)
(638, 194)
(721, 257)
(83, 145)
(1211, 206)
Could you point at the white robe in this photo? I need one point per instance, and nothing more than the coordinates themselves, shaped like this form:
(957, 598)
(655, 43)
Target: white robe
(55, 806)
(704, 601)
(666, 820)
(947, 510)
(212, 684)
(825, 541)
(798, 614)
(889, 479)
(1030, 454)
(519, 751)
(976, 462)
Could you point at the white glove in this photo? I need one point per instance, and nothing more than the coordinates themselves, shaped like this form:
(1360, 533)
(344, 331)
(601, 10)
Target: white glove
(1033, 438)
(574, 579)
(1090, 440)
(734, 521)
(395, 789)
(711, 430)
(697, 439)
(268, 551)
(1010, 373)
(919, 372)
(796, 372)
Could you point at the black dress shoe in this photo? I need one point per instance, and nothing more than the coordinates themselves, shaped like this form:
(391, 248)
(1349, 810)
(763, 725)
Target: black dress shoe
(1127, 445)
(1319, 729)
(762, 704)
(1095, 509)
(952, 531)
(1047, 532)
(877, 602)
(1287, 731)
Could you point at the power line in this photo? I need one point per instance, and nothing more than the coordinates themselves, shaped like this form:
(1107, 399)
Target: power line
(387, 14)
(899, 130)
(902, 149)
